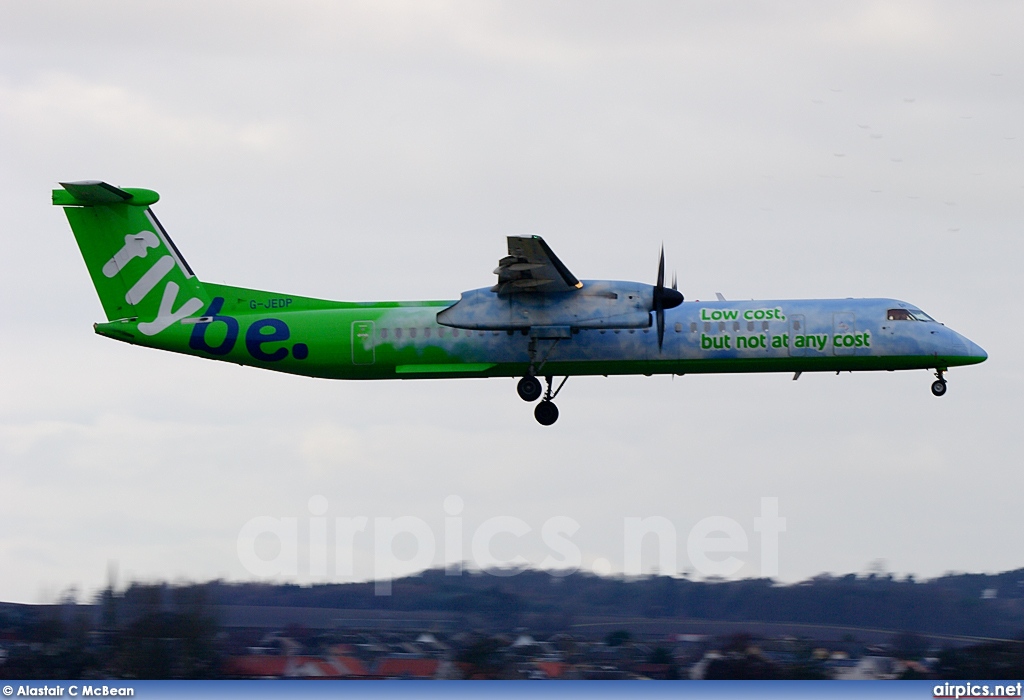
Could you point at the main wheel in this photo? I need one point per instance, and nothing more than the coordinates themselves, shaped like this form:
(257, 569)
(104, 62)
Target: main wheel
(938, 387)
(529, 388)
(546, 413)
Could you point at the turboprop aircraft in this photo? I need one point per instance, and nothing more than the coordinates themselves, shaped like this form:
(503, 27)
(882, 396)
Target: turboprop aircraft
(539, 320)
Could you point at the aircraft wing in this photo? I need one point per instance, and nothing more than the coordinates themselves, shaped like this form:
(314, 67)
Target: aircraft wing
(531, 266)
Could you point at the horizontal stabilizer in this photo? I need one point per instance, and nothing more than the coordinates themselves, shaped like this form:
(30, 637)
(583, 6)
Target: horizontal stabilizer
(94, 192)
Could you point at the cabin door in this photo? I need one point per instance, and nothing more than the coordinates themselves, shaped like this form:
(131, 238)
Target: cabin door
(362, 342)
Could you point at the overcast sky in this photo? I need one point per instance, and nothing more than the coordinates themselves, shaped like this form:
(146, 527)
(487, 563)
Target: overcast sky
(383, 150)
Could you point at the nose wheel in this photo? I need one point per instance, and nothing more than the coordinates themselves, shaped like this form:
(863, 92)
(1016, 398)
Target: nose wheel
(529, 389)
(939, 385)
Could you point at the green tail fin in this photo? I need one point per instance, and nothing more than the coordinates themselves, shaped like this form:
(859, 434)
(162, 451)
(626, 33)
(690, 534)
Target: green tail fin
(136, 269)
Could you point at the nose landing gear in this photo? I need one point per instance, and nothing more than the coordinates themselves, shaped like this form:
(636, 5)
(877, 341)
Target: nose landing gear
(529, 389)
(939, 385)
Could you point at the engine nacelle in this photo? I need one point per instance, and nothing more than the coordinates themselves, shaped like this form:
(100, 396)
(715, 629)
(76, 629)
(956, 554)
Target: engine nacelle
(598, 304)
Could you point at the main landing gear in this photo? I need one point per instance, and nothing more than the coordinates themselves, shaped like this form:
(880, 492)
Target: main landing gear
(529, 389)
(939, 385)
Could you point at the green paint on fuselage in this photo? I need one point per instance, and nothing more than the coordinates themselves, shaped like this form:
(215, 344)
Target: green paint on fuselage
(408, 343)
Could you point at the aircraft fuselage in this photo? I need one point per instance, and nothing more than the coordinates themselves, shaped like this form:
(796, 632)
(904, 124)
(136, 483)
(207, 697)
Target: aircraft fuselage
(403, 340)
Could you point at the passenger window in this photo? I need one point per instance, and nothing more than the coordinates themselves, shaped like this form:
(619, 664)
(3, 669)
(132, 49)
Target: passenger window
(707, 327)
(383, 333)
(796, 325)
(426, 332)
(679, 328)
(899, 315)
(764, 325)
(750, 325)
(455, 332)
(693, 327)
(721, 326)
(440, 332)
(735, 325)
(412, 332)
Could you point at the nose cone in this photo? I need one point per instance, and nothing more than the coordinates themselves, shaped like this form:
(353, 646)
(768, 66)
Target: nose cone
(970, 352)
(959, 350)
(975, 351)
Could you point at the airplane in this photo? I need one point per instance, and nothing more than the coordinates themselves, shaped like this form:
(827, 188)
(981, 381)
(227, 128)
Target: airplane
(538, 320)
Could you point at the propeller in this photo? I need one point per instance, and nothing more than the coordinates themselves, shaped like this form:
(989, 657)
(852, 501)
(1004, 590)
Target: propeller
(664, 298)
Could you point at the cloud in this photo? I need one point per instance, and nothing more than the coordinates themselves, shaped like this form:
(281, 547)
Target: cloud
(382, 150)
(326, 448)
(67, 107)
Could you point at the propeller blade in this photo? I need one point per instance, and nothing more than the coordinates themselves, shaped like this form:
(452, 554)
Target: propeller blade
(674, 286)
(661, 269)
(664, 298)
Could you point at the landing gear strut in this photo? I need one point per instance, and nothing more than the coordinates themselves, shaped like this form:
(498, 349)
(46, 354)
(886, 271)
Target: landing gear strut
(939, 385)
(546, 412)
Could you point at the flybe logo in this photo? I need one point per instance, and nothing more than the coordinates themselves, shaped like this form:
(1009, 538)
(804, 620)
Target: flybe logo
(137, 246)
(260, 337)
(257, 336)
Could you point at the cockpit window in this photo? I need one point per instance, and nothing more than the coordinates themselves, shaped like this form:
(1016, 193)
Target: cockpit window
(908, 315)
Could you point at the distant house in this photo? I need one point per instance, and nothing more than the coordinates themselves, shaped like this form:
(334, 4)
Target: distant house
(349, 665)
(256, 666)
(552, 670)
(312, 667)
(430, 641)
(413, 668)
(260, 666)
(870, 668)
(840, 668)
(700, 668)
